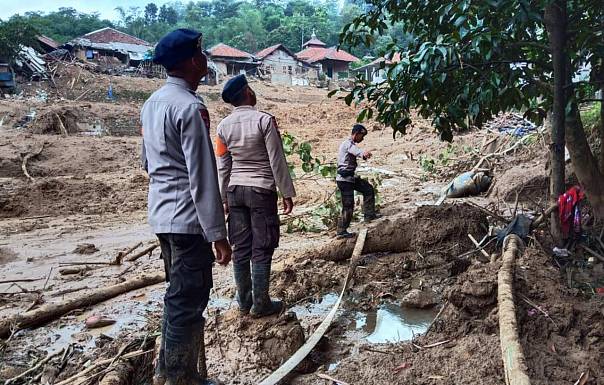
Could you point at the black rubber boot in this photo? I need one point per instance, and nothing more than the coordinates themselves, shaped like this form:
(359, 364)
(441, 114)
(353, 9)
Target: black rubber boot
(369, 207)
(344, 221)
(159, 376)
(182, 356)
(243, 281)
(200, 361)
(263, 305)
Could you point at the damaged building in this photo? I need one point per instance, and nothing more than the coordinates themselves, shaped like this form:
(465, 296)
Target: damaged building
(232, 61)
(109, 46)
(281, 65)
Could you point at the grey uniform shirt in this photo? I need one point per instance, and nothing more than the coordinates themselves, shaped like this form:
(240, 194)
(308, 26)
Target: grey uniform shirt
(184, 196)
(251, 152)
(347, 160)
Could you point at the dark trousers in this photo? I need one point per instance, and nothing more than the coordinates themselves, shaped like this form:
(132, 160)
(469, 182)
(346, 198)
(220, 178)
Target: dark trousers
(253, 224)
(347, 190)
(188, 262)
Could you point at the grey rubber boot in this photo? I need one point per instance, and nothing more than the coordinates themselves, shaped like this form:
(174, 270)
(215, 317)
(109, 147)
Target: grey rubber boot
(159, 376)
(263, 305)
(243, 281)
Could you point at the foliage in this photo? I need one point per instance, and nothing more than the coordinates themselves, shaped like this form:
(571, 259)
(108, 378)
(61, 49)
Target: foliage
(247, 25)
(591, 116)
(468, 60)
(310, 164)
(13, 34)
(65, 23)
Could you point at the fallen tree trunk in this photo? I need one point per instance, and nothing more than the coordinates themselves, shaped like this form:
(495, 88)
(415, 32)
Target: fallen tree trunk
(514, 363)
(52, 311)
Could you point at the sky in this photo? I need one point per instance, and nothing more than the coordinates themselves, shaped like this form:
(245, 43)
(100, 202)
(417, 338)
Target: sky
(106, 7)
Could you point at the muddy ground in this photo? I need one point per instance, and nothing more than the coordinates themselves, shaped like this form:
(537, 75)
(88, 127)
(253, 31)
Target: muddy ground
(86, 187)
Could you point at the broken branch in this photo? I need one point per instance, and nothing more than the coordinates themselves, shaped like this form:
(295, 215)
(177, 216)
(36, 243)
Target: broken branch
(148, 250)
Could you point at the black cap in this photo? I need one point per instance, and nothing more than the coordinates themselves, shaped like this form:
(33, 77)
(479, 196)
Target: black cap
(359, 129)
(233, 87)
(176, 46)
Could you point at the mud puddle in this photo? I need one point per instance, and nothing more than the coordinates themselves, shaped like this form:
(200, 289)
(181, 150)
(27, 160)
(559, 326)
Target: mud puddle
(388, 323)
(392, 323)
(130, 314)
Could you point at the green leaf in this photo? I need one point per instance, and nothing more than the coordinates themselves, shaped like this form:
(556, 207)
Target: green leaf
(331, 93)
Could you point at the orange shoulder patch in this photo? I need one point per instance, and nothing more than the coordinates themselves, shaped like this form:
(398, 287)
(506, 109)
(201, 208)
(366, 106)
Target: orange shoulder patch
(221, 148)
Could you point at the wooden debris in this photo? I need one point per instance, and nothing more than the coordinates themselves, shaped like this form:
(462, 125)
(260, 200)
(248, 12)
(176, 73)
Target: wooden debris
(148, 251)
(21, 280)
(34, 368)
(52, 311)
(329, 378)
(84, 373)
(26, 158)
(475, 242)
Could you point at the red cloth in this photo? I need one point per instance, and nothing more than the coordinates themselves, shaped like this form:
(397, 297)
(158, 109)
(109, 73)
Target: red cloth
(566, 205)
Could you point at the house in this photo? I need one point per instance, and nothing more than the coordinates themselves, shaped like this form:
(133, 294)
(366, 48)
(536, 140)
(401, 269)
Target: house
(110, 46)
(375, 72)
(333, 62)
(282, 66)
(232, 61)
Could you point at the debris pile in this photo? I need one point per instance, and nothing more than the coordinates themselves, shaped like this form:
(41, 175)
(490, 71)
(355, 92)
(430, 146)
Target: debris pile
(511, 123)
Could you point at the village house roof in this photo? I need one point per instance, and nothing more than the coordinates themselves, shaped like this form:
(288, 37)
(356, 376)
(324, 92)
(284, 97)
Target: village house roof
(109, 35)
(223, 50)
(315, 50)
(314, 42)
(315, 54)
(269, 50)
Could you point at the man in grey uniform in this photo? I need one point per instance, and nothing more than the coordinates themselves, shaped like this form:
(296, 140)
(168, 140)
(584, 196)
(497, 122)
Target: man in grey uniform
(185, 209)
(252, 166)
(348, 182)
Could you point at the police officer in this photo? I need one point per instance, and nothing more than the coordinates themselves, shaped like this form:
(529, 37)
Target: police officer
(252, 167)
(348, 182)
(185, 209)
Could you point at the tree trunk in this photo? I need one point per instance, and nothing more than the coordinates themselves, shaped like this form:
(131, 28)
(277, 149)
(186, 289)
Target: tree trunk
(584, 161)
(601, 80)
(556, 24)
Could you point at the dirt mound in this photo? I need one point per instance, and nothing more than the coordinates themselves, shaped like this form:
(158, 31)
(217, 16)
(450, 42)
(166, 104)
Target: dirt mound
(430, 229)
(530, 182)
(59, 121)
(241, 347)
(570, 340)
(65, 196)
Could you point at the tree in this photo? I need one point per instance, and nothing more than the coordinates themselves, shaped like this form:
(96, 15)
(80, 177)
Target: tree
(168, 15)
(150, 13)
(471, 59)
(14, 33)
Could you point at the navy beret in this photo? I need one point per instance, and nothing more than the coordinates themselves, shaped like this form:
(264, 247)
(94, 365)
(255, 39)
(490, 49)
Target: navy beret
(177, 46)
(233, 87)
